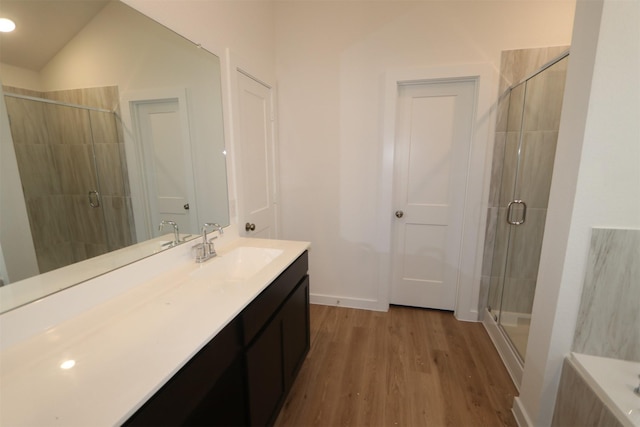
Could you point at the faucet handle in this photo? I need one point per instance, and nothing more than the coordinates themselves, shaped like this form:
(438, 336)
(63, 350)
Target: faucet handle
(210, 249)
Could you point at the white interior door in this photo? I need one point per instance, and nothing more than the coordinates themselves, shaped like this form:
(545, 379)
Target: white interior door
(256, 158)
(433, 136)
(168, 169)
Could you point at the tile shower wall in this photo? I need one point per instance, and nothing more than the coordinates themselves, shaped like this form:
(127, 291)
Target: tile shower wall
(609, 320)
(57, 169)
(516, 65)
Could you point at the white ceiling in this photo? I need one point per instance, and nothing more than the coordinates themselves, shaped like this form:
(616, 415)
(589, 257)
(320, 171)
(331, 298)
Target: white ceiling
(43, 27)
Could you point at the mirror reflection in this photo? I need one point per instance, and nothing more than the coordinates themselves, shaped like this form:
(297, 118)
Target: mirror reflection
(111, 135)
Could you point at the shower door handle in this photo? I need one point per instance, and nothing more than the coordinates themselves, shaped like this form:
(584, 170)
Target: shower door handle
(94, 199)
(524, 212)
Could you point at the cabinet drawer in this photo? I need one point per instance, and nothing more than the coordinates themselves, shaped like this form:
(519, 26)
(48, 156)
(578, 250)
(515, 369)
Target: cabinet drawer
(258, 313)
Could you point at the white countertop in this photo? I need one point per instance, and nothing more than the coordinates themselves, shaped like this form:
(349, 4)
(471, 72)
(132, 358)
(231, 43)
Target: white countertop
(45, 284)
(126, 347)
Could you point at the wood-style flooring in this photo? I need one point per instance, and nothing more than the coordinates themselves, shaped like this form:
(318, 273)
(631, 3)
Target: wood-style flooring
(406, 367)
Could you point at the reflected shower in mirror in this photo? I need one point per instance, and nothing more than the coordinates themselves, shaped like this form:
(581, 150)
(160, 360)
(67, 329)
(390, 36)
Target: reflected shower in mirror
(114, 131)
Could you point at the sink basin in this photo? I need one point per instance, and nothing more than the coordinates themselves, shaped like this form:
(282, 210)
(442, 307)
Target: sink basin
(237, 265)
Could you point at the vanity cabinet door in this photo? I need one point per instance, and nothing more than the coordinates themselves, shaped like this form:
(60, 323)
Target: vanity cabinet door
(265, 374)
(295, 332)
(225, 404)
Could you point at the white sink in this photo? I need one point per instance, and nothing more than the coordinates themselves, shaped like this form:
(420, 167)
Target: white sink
(237, 265)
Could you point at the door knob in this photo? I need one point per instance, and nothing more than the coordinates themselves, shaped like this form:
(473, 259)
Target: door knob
(399, 214)
(186, 206)
(249, 227)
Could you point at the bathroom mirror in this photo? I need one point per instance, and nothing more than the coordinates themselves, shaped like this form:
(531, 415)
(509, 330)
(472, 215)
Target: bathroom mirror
(110, 134)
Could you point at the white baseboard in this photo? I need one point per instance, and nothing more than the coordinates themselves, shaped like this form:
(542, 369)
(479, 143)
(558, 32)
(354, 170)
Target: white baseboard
(520, 413)
(337, 301)
(470, 316)
(373, 305)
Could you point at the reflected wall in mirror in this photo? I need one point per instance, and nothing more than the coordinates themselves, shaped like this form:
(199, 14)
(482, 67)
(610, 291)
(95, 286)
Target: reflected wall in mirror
(112, 133)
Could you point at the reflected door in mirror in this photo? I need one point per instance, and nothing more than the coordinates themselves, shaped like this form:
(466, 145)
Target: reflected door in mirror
(168, 169)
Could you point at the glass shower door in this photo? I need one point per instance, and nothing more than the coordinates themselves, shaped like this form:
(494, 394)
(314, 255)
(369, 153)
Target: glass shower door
(74, 151)
(56, 156)
(532, 131)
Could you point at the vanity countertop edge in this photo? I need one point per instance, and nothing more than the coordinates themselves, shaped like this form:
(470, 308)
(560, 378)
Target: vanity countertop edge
(126, 348)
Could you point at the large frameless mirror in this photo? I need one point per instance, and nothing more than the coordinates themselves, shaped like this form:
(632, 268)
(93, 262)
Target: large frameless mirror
(108, 132)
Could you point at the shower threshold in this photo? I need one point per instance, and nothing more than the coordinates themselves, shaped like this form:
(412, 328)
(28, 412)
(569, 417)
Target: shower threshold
(505, 348)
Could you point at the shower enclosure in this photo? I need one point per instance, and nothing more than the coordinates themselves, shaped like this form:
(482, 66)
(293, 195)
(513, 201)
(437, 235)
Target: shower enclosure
(73, 175)
(530, 133)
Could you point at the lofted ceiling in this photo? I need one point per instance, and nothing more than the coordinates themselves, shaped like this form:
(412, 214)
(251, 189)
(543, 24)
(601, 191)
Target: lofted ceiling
(43, 27)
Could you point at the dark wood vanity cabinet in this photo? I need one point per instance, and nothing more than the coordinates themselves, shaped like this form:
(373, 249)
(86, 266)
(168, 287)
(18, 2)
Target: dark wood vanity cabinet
(243, 375)
(275, 356)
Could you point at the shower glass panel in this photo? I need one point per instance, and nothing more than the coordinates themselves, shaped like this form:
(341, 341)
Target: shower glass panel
(532, 130)
(66, 159)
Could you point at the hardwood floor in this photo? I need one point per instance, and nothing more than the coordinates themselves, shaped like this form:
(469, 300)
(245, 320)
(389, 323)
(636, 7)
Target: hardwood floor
(406, 367)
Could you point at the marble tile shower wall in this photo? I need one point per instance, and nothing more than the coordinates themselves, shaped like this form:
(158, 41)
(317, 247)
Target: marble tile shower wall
(609, 320)
(539, 139)
(57, 168)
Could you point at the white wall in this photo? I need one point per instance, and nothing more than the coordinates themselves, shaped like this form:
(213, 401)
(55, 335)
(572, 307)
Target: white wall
(331, 61)
(19, 77)
(596, 183)
(244, 27)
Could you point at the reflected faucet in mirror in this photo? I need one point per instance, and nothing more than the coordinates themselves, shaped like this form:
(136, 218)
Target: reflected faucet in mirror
(176, 233)
(107, 148)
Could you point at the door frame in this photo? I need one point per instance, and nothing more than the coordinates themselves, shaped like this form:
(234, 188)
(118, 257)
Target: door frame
(134, 154)
(485, 77)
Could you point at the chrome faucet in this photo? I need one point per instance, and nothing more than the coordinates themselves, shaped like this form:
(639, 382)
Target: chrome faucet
(205, 250)
(176, 234)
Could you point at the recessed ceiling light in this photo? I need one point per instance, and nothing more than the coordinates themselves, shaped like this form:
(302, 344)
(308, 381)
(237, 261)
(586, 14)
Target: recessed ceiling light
(7, 25)
(68, 364)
